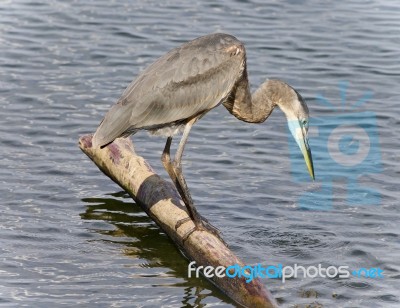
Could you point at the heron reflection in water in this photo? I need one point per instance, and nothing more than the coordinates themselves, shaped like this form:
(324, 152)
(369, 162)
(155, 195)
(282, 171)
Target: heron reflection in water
(187, 82)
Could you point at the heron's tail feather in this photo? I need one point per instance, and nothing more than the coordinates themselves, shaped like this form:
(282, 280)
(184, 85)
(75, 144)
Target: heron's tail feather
(115, 124)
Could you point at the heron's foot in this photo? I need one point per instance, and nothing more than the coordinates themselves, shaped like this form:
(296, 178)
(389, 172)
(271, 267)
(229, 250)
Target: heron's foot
(201, 225)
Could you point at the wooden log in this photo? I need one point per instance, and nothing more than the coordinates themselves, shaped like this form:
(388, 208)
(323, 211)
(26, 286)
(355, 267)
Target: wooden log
(160, 200)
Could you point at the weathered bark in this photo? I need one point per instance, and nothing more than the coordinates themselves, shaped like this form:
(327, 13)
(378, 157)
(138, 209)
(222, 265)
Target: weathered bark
(160, 200)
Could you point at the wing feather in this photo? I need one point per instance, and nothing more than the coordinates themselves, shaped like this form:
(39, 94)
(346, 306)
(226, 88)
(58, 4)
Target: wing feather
(187, 81)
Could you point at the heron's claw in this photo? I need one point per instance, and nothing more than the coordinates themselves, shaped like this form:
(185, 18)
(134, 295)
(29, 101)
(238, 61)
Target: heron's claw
(201, 225)
(181, 222)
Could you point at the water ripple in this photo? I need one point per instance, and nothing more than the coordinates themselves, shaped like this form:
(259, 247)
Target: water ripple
(66, 240)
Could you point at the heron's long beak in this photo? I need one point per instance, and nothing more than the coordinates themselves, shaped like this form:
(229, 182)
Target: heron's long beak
(305, 149)
(300, 135)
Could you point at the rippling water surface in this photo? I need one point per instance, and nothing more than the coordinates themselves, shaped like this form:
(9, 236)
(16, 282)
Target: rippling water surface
(70, 236)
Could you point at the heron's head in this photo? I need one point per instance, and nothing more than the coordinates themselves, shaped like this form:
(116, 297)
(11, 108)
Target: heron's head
(296, 111)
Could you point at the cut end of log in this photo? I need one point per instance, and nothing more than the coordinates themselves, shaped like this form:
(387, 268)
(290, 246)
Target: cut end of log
(85, 142)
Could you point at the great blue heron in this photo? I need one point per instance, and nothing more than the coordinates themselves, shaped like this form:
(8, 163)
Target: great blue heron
(183, 85)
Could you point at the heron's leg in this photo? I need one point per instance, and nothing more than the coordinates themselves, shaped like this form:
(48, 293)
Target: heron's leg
(166, 160)
(174, 170)
(180, 180)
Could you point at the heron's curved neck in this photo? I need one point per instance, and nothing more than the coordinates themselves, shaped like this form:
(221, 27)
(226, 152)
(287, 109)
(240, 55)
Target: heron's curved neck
(252, 108)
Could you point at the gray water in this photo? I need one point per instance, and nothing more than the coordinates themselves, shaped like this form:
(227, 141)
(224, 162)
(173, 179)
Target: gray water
(69, 236)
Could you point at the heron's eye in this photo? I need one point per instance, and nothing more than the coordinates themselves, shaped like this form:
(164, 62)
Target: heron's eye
(304, 123)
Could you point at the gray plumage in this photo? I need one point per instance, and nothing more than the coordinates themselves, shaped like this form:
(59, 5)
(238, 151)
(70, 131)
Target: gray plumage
(186, 82)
